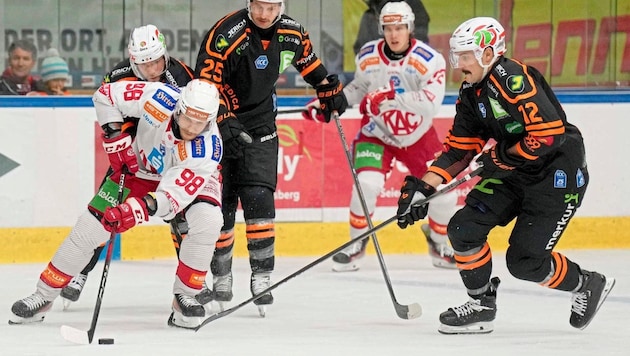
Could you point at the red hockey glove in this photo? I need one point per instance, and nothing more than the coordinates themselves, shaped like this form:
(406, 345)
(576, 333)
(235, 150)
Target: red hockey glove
(497, 163)
(313, 112)
(120, 153)
(331, 97)
(371, 103)
(413, 190)
(124, 216)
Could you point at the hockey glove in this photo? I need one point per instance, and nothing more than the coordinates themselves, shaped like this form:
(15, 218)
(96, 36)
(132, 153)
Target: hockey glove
(313, 112)
(413, 190)
(497, 163)
(331, 97)
(371, 103)
(124, 216)
(120, 153)
(234, 136)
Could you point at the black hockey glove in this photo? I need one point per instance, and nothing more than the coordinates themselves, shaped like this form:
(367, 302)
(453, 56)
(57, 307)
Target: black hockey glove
(413, 190)
(331, 97)
(234, 136)
(497, 163)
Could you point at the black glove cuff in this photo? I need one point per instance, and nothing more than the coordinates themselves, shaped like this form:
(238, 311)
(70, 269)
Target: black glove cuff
(426, 189)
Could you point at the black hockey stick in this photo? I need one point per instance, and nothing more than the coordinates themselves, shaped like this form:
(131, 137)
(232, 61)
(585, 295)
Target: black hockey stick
(410, 311)
(291, 111)
(323, 258)
(85, 337)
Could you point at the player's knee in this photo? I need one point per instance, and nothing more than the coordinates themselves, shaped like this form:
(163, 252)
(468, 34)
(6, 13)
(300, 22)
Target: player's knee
(524, 266)
(465, 233)
(257, 202)
(204, 222)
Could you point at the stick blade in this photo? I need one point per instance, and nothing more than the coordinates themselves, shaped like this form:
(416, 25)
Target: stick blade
(75, 335)
(411, 311)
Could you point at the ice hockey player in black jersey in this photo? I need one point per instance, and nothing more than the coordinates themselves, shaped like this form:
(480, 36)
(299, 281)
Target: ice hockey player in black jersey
(535, 175)
(244, 53)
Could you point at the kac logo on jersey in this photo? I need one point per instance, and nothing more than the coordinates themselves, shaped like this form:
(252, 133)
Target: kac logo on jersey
(198, 147)
(261, 62)
(560, 179)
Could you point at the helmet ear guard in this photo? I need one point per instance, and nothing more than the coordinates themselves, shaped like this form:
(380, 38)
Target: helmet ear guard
(396, 13)
(146, 44)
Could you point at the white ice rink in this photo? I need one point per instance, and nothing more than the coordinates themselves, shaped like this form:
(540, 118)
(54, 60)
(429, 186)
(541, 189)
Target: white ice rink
(323, 313)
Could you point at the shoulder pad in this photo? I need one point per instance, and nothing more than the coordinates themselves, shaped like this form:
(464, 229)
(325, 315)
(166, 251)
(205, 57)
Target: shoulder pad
(512, 80)
(228, 31)
(287, 22)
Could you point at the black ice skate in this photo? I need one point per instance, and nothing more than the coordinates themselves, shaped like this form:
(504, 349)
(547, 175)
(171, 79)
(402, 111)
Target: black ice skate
(187, 313)
(222, 286)
(347, 260)
(72, 291)
(258, 283)
(205, 297)
(586, 302)
(442, 255)
(30, 309)
(473, 317)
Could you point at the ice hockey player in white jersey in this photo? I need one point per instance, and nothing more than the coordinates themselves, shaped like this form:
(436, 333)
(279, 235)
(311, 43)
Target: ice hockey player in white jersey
(172, 165)
(399, 83)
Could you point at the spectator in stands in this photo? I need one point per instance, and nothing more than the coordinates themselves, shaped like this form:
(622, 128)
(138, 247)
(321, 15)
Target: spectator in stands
(17, 78)
(368, 28)
(55, 73)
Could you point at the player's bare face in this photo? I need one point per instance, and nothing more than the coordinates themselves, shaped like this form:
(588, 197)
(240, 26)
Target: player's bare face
(468, 64)
(264, 13)
(152, 71)
(21, 62)
(397, 37)
(190, 128)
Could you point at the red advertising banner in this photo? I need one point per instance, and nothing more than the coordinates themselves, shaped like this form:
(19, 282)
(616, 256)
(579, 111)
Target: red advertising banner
(313, 170)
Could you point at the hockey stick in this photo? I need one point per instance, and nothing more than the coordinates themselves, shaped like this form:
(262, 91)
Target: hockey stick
(85, 337)
(323, 258)
(290, 111)
(410, 311)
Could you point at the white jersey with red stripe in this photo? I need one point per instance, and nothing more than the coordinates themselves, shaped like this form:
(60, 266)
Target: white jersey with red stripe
(185, 169)
(419, 81)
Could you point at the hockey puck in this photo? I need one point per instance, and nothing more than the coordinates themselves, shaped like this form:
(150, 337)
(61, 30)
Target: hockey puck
(106, 341)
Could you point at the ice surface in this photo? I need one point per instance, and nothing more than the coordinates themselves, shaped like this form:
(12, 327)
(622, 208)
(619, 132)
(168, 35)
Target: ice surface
(323, 313)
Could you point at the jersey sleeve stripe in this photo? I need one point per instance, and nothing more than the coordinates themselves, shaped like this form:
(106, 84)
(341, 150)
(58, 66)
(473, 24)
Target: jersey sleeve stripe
(311, 67)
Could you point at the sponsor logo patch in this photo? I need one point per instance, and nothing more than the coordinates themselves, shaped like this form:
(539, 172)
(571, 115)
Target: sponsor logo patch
(154, 112)
(198, 147)
(261, 62)
(560, 179)
(216, 148)
(368, 155)
(181, 151)
(423, 53)
(164, 99)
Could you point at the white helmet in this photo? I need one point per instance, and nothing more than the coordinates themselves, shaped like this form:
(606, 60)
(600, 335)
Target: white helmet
(281, 2)
(395, 13)
(476, 35)
(146, 44)
(199, 101)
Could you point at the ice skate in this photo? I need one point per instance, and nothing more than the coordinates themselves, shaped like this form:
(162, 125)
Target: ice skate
(258, 283)
(72, 291)
(30, 309)
(473, 317)
(586, 302)
(187, 313)
(442, 255)
(222, 286)
(347, 260)
(205, 297)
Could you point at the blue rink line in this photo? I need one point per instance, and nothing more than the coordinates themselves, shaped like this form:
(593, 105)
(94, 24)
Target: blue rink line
(565, 97)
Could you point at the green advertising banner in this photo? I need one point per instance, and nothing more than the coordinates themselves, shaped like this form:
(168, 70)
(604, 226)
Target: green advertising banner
(575, 43)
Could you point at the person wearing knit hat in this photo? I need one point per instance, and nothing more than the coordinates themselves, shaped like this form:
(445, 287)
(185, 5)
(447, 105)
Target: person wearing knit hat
(54, 72)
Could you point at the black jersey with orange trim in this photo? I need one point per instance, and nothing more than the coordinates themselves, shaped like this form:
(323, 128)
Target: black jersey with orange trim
(512, 104)
(177, 74)
(245, 62)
